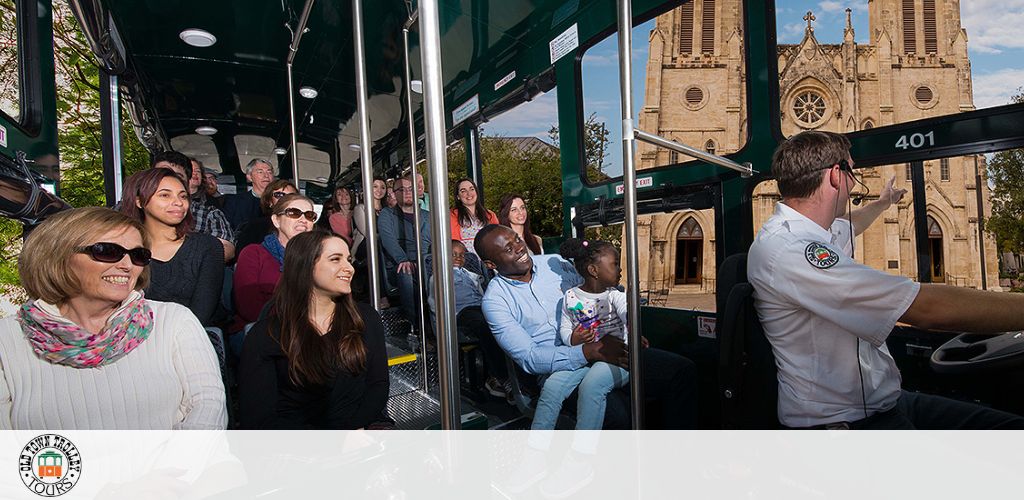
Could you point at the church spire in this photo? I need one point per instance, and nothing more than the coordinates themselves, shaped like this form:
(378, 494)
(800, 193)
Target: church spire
(848, 31)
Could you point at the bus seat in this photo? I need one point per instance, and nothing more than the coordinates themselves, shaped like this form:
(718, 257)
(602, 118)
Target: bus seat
(748, 377)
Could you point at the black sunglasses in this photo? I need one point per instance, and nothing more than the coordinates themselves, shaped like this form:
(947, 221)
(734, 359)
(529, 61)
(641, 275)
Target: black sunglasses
(294, 213)
(112, 252)
(279, 194)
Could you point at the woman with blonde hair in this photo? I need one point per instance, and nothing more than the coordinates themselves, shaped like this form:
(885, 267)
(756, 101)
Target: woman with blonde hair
(133, 363)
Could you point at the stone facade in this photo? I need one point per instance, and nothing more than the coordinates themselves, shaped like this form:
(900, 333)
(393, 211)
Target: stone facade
(915, 67)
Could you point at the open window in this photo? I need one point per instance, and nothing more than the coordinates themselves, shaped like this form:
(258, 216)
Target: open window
(11, 84)
(689, 86)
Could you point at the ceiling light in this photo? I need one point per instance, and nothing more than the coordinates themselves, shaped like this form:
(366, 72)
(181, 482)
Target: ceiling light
(416, 86)
(355, 147)
(307, 92)
(280, 151)
(197, 37)
(206, 130)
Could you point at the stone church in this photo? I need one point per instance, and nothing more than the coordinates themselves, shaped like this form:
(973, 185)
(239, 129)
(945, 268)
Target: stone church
(916, 66)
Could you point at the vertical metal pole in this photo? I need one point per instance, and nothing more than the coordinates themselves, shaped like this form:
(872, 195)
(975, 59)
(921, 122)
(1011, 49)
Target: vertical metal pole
(293, 133)
(433, 119)
(110, 119)
(981, 223)
(473, 158)
(625, 15)
(421, 271)
(924, 261)
(365, 151)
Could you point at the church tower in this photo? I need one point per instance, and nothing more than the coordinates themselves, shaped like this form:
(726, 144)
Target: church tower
(914, 65)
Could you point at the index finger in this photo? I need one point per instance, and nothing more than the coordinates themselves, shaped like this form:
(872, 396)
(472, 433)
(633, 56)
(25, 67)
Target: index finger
(892, 181)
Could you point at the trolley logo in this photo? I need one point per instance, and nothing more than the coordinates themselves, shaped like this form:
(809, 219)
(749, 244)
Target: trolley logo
(50, 465)
(821, 256)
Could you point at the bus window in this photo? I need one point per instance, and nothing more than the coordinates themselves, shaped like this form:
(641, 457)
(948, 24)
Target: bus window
(893, 61)
(520, 154)
(200, 147)
(314, 167)
(10, 61)
(689, 85)
(677, 269)
(250, 147)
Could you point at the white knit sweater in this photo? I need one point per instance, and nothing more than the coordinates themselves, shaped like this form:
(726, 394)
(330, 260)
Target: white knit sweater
(170, 381)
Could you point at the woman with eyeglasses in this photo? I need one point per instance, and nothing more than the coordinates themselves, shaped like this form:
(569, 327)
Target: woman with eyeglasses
(259, 266)
(187, 267)
(89, 350)
(317, 360)
(254, 230)
(512, 213)
(469, 215)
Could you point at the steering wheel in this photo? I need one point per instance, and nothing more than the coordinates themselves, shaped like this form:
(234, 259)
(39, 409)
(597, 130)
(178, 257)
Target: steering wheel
(969, 352)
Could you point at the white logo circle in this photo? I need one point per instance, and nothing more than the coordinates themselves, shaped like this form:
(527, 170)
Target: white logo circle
(50, 465)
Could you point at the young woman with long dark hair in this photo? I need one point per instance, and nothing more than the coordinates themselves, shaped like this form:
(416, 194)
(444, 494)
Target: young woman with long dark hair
(187, 267)
(469, 215)
(513, 213)
(317, 361)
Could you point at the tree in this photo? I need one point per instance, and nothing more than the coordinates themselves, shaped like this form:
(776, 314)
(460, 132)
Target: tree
(79, 141)
(1006, 172)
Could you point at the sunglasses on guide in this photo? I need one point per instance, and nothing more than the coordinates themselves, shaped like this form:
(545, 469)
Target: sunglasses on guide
(294, 213)
(112, 252)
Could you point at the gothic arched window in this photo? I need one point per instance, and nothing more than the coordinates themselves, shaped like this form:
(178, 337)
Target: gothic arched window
(710, 146)
(690, 230)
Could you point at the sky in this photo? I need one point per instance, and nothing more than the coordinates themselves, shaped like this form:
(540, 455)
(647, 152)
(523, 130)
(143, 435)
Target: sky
(995, 46)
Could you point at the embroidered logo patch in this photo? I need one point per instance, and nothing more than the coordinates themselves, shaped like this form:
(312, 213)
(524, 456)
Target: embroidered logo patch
(821, 256)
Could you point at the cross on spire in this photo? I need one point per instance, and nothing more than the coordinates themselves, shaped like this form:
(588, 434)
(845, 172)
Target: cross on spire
(809, 18)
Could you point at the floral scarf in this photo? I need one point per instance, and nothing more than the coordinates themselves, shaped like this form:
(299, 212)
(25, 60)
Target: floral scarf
(58, 340)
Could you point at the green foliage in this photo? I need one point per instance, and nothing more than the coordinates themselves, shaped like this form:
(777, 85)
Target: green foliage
(79, 134)
(1006, 172)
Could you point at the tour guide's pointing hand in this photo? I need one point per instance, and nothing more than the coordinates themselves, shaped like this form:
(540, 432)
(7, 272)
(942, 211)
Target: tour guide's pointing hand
(892, 194)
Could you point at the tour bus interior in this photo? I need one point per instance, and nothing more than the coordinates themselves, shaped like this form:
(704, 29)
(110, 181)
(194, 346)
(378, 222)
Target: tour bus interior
(228, 102)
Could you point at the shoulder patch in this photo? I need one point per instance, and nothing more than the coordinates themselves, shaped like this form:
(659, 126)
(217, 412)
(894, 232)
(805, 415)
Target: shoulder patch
(820, 256)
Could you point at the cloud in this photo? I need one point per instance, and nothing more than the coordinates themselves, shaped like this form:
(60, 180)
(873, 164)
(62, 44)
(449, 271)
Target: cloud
(833, 6)
(792, 33)
(993, 26)
(528, 119)
(996, 89)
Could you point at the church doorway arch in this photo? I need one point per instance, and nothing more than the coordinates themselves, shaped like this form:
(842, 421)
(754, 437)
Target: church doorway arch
(689, 252)
(938, 269)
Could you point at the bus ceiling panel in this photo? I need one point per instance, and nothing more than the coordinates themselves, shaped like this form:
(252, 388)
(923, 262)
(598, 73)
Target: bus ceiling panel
(252, 32)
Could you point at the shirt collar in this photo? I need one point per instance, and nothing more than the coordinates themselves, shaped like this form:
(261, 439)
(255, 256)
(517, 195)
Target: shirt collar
(798, 222)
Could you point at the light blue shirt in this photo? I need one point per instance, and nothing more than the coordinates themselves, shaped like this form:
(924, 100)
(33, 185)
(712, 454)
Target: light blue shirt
(525, 317)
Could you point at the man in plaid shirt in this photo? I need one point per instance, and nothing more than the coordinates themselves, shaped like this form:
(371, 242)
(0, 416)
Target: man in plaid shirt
(209, 219)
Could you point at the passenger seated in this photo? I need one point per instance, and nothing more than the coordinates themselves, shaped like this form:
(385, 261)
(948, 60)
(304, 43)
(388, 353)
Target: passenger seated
(591, 311)
(337, 214)
(469, 318)
(208, 216)
(89, 350)
(253, 231)
(317, 361)
(468, 215)
(523, 306)
(398, 240)
(827, 316)
(512, 212)
(187, 267)
(245, 206)
(259, 266)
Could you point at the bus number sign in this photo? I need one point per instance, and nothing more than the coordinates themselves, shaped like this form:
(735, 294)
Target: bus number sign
(916, 140)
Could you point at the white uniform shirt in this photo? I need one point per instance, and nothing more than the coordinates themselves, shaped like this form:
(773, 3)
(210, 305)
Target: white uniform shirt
(824, 313)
